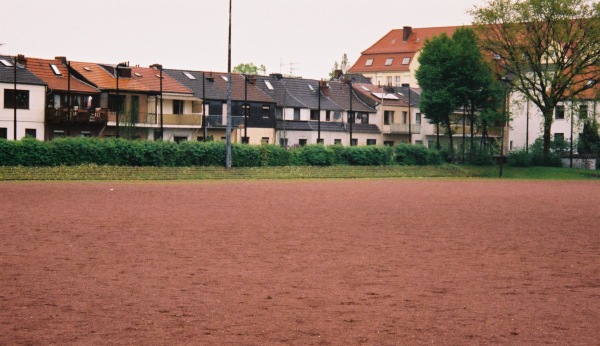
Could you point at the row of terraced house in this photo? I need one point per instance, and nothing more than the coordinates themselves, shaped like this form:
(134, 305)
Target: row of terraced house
(375, 102)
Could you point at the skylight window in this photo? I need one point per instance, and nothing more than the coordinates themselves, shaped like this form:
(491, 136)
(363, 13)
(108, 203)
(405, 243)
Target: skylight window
(269, 85)
(311, 87)
(6, 63)
(189, 75)
(406, 61)
(137, 74)
(55, 70)
(389, 61)
(225, 78)
(369, 62)
(364, 88)
(87, 69)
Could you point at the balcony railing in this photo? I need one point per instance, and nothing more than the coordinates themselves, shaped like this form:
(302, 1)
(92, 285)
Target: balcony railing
(402, 128)
(218, 121)
(62, 115)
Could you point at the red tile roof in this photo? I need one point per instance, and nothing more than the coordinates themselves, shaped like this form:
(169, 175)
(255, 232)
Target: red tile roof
(103, 79)
(393, 45)
(149, 77)
(43, 70)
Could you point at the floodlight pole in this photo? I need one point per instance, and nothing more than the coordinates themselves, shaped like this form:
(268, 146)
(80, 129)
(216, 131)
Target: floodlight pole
(15, 99)
(228, 129)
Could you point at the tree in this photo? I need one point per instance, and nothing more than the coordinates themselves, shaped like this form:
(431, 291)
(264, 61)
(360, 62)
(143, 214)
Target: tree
(250, 69)
(475, 86)
(550, 49)
(436, 79)
(589, 141)
(342, 66)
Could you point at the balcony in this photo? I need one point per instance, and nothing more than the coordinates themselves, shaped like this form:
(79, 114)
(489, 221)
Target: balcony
(401, 128)
(63, 115)
(182, 119)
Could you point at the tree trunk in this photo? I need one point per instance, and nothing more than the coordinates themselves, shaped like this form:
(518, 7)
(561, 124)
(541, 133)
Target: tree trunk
(451, 139)
(547, 130)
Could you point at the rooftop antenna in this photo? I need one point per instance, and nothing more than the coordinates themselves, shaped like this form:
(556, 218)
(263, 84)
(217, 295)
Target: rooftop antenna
(291, 66)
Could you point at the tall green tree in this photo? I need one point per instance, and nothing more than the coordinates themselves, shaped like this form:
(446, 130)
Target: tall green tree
(475, 87)
(436, 76)
(550, 49)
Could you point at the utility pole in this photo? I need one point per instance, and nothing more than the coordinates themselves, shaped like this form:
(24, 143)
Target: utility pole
(228, 130)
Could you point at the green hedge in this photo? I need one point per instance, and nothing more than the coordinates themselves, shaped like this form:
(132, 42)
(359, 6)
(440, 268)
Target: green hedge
(121, 152)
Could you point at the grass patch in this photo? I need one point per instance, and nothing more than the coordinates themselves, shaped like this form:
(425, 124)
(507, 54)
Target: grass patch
(95, 173)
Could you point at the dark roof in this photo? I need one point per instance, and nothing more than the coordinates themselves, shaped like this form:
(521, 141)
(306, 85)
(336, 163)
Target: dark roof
(339, 91)
(297, 92)
(24, 76)
(213, 85)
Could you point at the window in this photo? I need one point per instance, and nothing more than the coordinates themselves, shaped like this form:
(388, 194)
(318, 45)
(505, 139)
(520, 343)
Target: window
(264, 140)
(369, 62)
(327, 115)
(302, 142)
(225, 78)
(389, 80)
(388, 143)
(85, 134)
(215, 108)
(31, 133)
(337, 141)
(583, 111)
(3, 133)
(388, 117)
(6, 63)
(283, 142)
(157, 135)
(406, 61)
(404, 117)
(417, 142)
(371, 141)
(179, 139)
(364, 118)
(22, 98)
(113, 104)
(245, 140)
(397, 81)
(296, 113)
(320, 141)
(266, 112)
(418, 119)
(189, 75)
(559, 137)
(314, 114)
(269, 85)
(55, 70)
(177, 106)
(354, 142)
(389, 61)
(278, 113)
(559, 112)
(311, 87)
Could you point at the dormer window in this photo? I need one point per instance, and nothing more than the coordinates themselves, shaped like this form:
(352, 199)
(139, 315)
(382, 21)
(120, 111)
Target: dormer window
(369, 62)
(55, 70)
(389, 61)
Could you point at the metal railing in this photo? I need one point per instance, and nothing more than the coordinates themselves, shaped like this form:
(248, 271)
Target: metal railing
(59, 115)
(404, 128)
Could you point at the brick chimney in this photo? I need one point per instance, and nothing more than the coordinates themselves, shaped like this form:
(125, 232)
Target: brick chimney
(324, 86)
(62, 59)
(406, 32)
(337, 74)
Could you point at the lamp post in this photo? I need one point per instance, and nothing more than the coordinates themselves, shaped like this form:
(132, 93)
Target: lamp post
(160, 69)
(350, 112)
(228, 159)
(204, 132)
(319, 114)
(245, 139)
(118, 103)
(15, 100)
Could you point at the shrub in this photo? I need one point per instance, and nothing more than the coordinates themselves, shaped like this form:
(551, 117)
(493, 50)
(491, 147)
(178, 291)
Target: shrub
(413, 155)
(519, 158)
(315, 155)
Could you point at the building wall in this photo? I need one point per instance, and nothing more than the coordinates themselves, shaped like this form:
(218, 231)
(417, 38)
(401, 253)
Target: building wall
(32, 118)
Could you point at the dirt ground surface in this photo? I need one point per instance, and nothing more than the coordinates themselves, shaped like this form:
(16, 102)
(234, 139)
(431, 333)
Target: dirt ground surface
(348, 262)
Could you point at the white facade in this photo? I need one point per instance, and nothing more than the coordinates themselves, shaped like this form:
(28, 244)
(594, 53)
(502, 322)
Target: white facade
(29, 121)
(526, 121)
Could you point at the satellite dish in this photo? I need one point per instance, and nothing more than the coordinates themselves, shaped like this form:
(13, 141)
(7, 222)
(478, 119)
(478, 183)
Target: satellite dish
(337, 115)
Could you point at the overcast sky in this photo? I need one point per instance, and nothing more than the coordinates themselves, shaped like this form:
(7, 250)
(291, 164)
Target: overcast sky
(192, 34)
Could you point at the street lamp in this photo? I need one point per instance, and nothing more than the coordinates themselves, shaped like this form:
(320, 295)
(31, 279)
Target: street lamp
(228, 159)
(245, 139)
(160, 69)
(350, 112)
(118, 103)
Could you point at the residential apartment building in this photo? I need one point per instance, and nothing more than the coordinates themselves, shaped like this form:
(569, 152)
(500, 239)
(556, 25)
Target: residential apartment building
(393, 61)
(22, 100)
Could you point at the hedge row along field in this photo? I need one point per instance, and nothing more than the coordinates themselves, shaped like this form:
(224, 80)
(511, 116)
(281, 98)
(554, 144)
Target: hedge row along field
(121, 152)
